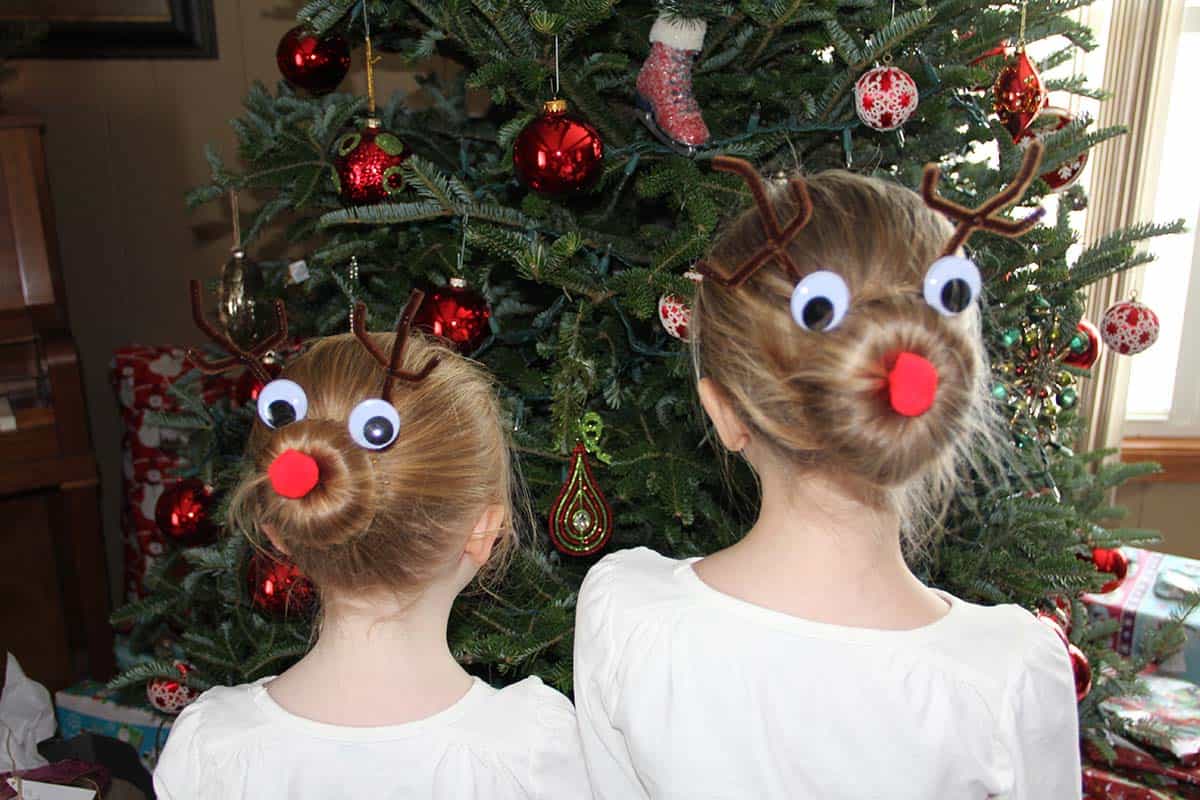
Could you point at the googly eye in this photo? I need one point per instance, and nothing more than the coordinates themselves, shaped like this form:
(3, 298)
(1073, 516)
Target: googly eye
(952, 284)
(820, 301)
(282, 402)
(374, 424)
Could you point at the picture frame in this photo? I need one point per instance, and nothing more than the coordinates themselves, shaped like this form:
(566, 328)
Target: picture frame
(114, 28)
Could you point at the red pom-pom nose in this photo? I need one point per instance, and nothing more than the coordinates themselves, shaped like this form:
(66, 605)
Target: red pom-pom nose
(293, 474)
(912, 385)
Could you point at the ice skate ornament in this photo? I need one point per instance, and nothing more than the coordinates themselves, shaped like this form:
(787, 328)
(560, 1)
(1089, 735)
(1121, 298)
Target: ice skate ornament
(664, 85)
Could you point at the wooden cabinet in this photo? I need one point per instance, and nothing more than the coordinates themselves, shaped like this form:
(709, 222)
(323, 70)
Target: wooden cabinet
(54, 600)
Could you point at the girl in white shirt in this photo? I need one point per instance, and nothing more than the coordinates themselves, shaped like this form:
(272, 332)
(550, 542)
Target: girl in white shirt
(391, 500)
(842, 358)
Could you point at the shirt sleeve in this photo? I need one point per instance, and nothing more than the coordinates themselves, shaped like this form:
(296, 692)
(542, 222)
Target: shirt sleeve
(1041, 722)
(558, 770)
(606, 754)
(178, 774)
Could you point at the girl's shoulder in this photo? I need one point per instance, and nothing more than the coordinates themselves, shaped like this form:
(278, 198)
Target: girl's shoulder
(632, 578)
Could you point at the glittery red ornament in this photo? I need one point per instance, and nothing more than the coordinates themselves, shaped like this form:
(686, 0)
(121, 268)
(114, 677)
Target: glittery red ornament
(581, 520)
(1048, 121)
(675, 315)
(368, 164)
(184, 513)
(315, 63)
(1129, 327)
(171, 695)
(1112, 561)
(885, 97)
(457, 313)
(558, 152)
(1018, 93)
(1083, 672)
(1084, 347)
(277, 587)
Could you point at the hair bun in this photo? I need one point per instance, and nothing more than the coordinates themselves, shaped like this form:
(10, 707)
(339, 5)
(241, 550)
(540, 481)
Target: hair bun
(338, 505)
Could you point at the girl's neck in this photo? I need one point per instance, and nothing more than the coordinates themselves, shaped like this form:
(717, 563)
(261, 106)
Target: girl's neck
(817, 552)
(377, 661)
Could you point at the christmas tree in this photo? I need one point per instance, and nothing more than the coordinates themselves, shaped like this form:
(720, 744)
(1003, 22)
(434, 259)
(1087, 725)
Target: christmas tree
(555, 240)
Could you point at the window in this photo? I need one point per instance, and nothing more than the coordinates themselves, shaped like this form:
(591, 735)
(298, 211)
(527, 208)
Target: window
(1164, 381)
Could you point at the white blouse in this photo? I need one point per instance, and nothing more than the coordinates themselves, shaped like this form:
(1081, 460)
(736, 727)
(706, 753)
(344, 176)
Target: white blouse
(685, 692)
(237, 742)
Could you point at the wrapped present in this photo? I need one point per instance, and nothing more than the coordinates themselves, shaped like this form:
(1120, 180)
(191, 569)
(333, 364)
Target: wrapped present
(1166, 717)
(1150, 596)
(1102, 784)
(1144, 767)
(68, 772)
(89, 707)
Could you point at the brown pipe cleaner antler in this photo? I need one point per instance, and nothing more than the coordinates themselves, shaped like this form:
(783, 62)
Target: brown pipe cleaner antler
(251, 358)
(778, 236)
(969, 220)
(392, 363)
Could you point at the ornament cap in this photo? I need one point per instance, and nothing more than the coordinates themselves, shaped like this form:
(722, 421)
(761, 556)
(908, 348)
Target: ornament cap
(374, 123)
(555, 106)
(458, 283)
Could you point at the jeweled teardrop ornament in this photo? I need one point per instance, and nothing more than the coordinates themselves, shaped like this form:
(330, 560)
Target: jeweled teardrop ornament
(581, 520)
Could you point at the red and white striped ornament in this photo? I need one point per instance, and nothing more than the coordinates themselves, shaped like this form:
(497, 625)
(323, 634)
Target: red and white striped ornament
(885, 97)
(171, 695)
(1129, 327)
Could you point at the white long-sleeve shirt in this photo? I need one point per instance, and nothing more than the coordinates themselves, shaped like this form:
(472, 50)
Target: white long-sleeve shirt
(685, 692)
(516, 743)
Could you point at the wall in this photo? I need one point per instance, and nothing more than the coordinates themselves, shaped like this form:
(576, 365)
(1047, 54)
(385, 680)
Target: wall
(125, 141)
(1173, 509)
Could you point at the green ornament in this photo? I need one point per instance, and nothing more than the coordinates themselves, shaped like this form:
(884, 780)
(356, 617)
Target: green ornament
(1011, 337)
(1068, 397)
(1000, 391)
(1031, 335)
(1078, 343)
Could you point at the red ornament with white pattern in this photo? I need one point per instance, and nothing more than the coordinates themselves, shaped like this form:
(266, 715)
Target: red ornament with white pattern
(1048, 121)
(675, 315)
(171, 695)
(885, 97)
(1129, 327)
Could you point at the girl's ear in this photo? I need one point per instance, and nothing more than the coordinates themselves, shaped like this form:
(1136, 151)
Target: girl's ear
(733, 432)
(275, 539)
(483, 538)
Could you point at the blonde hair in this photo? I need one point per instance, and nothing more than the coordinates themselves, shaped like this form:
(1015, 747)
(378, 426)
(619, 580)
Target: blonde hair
(819, 399)
(392, 518)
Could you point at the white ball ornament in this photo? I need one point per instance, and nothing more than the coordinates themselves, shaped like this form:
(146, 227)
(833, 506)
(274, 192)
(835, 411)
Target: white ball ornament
(885, 97)
(1129, 327)
(675, 315)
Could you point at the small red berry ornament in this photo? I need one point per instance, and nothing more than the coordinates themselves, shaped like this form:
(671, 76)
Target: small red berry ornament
(311, 62)
(1048, 121)
(368, 164)
(171, 695)
(558, 152)
(277, 587)
(1018, 94)
(1083, 349)
(1083, 672)
(1129, 327)
(675, 315)
(1112, 561)
(184, 513)
(457, 313)
(885, 97)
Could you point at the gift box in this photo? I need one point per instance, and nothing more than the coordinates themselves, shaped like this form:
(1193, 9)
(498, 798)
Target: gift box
(89, 707)
(1167, 716)
(1149, 597)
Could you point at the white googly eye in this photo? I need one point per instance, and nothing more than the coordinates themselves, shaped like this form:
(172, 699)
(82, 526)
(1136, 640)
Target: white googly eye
(374, 424)
(282, 402)
(952, 284)
(820, 301)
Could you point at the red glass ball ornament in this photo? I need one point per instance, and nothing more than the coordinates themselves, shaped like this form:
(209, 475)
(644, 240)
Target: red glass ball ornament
(885, 97)
(1018, 93)
(1083, 349)
(675, 315)
(1083, 672)
(558, 152)
(1129, 327)
(1112, 561)
(171, 695)
(1050, 620)
(457, 313)
(1063, 611)
(1048, 121)
(277, 587)
(311, 62)
(245, 391)
(184, 513)
(368, 164)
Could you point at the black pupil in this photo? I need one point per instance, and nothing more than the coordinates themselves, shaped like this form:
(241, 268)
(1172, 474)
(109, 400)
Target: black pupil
(956, 295)
(378, 430)
(818, 313)
(281, 413)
